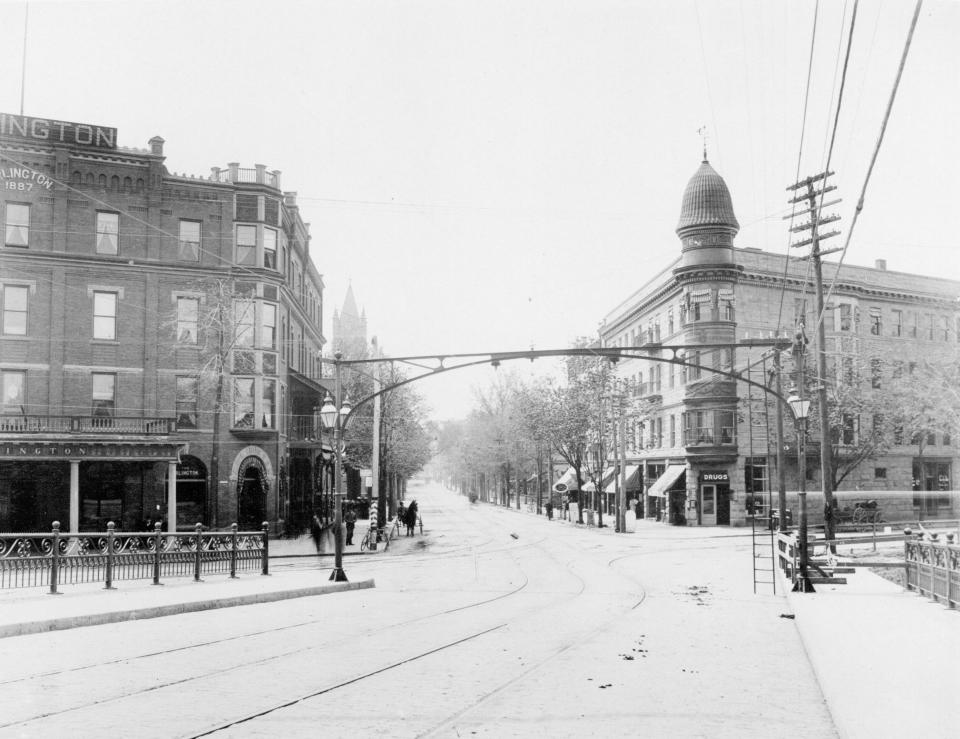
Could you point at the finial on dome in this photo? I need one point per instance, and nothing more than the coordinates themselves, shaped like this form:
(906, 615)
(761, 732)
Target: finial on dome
(703, 133)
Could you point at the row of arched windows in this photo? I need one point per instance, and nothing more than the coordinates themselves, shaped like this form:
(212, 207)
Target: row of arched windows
(115, 183)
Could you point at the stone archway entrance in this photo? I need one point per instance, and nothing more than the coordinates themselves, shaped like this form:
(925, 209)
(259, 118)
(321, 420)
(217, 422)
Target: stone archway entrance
(251, 494)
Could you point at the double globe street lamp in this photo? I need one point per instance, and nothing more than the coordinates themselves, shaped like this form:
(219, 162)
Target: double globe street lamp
(333, 416)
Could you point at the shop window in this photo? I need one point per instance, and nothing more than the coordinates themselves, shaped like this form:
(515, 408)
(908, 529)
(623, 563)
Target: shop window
(104, 397)
(105, 316)
(14, 386)
(269, 248)
(187, 319)
(108, 233)
(247, 245)
(188, 247)
(14, 306)
(186, 403)
(17, 225)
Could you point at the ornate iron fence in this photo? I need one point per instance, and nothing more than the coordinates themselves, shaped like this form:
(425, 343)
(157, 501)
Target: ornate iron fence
(933, 567)
(57, 558)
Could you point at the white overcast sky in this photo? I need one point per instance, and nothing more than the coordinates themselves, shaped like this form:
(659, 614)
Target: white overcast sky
(491, 175)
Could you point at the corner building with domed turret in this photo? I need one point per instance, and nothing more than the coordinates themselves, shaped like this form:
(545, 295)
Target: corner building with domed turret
(701, 446)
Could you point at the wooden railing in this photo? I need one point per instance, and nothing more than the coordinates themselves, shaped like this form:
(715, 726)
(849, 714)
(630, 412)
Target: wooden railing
(86, 425)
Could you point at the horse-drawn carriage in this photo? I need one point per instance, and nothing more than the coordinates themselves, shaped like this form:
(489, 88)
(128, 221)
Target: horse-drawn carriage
(864, 514)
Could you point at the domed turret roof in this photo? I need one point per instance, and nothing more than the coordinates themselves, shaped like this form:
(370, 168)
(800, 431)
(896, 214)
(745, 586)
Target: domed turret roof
(706, 201)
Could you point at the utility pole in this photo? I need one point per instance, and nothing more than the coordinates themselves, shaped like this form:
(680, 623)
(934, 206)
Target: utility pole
(781, 471)
(813, 225)
(622, 497)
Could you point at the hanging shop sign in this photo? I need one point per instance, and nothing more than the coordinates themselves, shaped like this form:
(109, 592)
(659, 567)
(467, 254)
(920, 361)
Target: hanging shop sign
(715, 476)
(50, 131)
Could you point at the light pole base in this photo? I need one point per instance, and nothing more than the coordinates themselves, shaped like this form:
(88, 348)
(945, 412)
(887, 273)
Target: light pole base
(803, 585)
(338, 575)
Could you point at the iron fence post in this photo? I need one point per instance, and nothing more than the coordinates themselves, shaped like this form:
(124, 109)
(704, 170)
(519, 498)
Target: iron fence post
(197, 554)
(266, 549)
(55, 559)
(108, 585)
(156, 553)
(233, 551)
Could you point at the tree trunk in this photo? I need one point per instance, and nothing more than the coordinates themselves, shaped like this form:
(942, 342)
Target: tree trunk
(214, 487)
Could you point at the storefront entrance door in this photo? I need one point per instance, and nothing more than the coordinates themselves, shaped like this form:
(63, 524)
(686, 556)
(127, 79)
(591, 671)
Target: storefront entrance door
(708, 505)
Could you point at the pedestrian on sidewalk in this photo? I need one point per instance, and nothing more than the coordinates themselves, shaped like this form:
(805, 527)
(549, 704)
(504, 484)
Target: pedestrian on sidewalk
(351, 519)
(315, 530)
(411, 517)
(401, 513)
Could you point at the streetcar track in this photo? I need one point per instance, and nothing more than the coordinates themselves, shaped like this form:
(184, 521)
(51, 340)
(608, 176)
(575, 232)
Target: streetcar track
(580, 639)
(314, 694)
(299, 650)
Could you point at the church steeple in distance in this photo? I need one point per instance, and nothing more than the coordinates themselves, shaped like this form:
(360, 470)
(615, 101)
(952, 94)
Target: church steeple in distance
(350, 328)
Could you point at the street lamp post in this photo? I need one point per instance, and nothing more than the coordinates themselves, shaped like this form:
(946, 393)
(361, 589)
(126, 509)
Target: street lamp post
(801, 408)
(333, 416)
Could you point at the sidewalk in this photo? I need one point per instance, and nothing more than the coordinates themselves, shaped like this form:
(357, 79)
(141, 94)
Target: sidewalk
(887, 660)
(35, 610)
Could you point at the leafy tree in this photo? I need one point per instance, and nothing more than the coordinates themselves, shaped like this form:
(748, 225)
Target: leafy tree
(219, 326)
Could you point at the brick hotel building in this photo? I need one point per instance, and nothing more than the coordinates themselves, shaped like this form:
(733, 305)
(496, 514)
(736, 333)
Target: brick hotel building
(113, 275)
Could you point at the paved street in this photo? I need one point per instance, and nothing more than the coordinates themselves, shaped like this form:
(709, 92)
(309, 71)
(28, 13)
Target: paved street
(504, 625)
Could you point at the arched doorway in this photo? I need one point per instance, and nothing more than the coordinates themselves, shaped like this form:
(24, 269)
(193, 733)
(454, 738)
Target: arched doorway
(191, 491)
(251, 494)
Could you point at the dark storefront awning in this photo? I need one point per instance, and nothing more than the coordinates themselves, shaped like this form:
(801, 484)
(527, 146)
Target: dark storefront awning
(666, 480)
(633, 480)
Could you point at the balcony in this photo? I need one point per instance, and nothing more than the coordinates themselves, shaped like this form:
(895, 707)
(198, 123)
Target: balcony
(23, 424)
(236, 174)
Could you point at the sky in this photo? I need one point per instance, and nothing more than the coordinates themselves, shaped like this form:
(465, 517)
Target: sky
(490, 176)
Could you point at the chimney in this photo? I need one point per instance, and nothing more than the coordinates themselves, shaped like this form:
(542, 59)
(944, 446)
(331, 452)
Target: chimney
(156, 146)
(881, 264)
